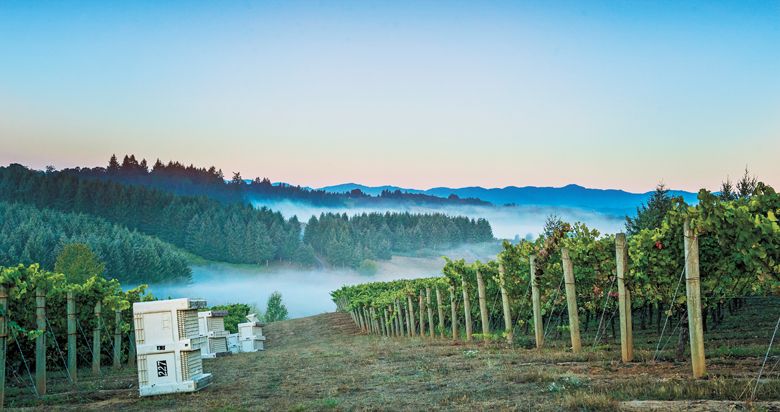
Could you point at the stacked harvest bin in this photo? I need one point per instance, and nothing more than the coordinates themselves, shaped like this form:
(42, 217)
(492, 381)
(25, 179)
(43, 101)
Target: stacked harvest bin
(250, 334)
(168, 344)
(233, 345)
(211, 324)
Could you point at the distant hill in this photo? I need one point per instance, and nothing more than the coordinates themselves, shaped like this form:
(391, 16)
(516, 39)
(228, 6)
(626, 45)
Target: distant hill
(605, 200)
(190, 180)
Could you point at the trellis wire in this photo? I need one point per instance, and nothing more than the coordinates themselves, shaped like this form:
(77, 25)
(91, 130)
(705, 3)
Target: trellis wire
(555, 296)
(57, 345)
(603, 312)
(772, 369)
(21, 382)
(89, 344)
(671, 334)
(760, 371)
(110, 336)
(496, 303)
(674, 297)
(24, 360)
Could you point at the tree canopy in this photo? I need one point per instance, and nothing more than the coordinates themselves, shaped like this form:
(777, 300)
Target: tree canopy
(78, 263)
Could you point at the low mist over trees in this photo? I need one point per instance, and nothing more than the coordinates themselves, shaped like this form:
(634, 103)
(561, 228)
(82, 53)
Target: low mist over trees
(348, 241)
(231, 232)
(29, 235)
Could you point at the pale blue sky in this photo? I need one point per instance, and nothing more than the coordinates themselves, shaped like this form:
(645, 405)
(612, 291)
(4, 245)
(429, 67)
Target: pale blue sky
(604, 94)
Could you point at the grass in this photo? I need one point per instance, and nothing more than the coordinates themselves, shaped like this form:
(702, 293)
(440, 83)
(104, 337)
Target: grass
(323, 363)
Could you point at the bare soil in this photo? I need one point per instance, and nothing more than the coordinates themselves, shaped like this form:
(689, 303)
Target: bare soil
(324, 362)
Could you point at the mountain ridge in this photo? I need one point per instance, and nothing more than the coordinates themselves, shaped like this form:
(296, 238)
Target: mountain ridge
(571, 195)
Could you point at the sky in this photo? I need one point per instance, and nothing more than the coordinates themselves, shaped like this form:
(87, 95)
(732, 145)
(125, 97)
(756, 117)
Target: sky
(617, 94)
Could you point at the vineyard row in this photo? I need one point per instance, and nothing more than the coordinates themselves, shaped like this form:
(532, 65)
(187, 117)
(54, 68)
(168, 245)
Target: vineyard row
(720, 249)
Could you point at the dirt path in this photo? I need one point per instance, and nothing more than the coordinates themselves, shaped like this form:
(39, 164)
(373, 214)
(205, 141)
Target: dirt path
(323, 363)
(309, 330)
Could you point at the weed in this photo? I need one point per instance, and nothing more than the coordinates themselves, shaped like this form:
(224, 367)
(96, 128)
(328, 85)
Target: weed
(585, 401)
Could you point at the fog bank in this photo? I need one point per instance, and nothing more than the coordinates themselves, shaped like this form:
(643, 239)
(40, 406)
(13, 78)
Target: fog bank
(304, 292)
(506, 221)
(307, 292)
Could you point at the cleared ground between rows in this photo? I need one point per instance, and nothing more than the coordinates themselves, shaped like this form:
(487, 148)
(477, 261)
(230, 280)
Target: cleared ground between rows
(323, 362)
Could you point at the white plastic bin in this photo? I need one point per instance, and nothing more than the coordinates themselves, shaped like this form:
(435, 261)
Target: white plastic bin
(250, 334)
(233, 345)
(168, 345)
(211, 324)
(252, 344)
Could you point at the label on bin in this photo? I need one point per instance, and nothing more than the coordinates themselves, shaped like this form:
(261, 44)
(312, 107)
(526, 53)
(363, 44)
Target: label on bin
(162, 368)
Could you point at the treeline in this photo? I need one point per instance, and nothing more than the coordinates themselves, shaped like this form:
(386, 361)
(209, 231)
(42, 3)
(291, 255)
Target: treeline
(190, 180)
(348, 241)
(29, 235)
(234, 232)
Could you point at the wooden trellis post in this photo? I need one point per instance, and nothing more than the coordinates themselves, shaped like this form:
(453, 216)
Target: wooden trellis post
(410, 316)
(378, 321)
(629, 323)
(390, 321)
(399, 326)
(430, 311)
(117, 339)
(466, 309)
(375, 322)
(385, 321)
(131, 349)
(377, 316)
(396, 326)
(571, 301)
(453, 314)
(40, 341)
(624, 299)
(96, 340)
(3, 340)
(400, 318)
(537, 305)
(371, 320)
(693, 291)
(483, 312)
(367, 320)
(72, 354)
(440, 310)
(421, 308)
(505, 304)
